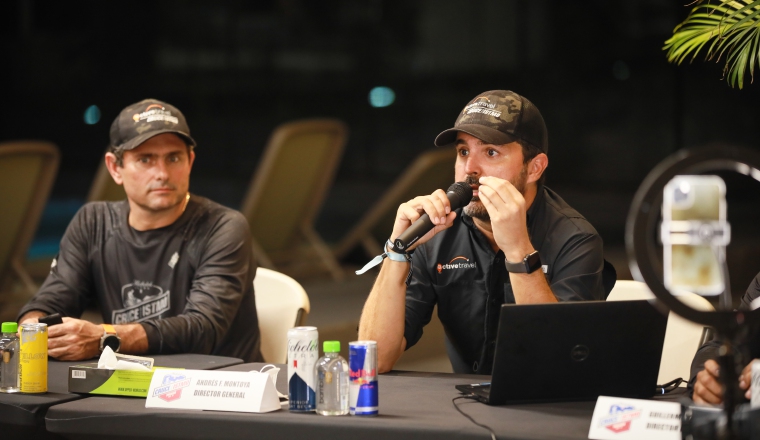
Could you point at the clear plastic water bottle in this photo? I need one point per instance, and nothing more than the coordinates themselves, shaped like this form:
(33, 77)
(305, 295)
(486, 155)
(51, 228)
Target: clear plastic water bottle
(332, 381)
(9, 345)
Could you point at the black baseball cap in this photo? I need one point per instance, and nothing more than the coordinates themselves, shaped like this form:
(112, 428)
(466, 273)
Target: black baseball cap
(141, 121)
(499, 117)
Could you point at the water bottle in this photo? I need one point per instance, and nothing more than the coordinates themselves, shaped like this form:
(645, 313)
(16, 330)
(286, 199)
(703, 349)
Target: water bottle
(9, 345)
(332, 381)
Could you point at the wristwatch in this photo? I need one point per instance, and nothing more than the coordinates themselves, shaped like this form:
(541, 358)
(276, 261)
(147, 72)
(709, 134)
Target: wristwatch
(110, 338)
(529, 264)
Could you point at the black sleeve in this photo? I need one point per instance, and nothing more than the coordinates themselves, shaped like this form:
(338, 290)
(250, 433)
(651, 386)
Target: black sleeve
(420, 299)
(225, 273)
(752, 293)
(578, 269)
(710, 349)
(68, 287)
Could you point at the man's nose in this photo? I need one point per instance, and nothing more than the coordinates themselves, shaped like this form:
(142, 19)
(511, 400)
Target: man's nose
(161, 170)
(472, 166)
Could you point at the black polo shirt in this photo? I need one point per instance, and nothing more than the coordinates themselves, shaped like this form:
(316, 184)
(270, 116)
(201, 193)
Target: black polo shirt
(459, 271)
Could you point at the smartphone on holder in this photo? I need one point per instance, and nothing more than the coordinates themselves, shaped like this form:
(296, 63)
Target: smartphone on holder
(695, 233)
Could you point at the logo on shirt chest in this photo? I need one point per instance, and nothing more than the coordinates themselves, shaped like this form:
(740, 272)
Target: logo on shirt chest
(142, 300)
(457, 263)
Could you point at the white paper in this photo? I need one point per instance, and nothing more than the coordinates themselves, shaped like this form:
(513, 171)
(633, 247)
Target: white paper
(273, 371)
(621, 418)
(239, 391)
(109, 361)
(755, 385)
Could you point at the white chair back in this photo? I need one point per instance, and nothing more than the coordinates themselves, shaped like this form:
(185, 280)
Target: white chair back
(682, 337)
(281, 304)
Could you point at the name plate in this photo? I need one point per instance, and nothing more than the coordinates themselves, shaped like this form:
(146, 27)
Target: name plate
(620, 418)
(755, 384)
(238, 391)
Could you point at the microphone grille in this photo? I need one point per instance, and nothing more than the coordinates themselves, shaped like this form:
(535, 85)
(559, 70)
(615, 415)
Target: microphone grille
(460, 194)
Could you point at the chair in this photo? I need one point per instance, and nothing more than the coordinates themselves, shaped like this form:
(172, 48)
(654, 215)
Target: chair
(682, 337)
(103, 187)
(431, 170)
(27, 173)
(287, 191)
(281, 304)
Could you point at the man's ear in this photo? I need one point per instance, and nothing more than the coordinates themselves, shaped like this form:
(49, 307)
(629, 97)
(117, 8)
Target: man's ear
(537, 166)
(113, 168)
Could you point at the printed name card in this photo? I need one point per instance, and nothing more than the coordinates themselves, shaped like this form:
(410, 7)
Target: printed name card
(755, 387)
(620, 418)
(238, 391)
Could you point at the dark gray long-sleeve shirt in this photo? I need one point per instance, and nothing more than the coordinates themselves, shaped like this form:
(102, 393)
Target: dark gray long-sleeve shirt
(189, 284)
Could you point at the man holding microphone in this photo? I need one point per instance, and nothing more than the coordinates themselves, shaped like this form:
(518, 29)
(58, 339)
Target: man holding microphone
(517, 241)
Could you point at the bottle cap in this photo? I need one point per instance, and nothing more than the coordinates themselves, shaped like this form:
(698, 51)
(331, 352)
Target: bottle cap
(10, 327)
(331, 346)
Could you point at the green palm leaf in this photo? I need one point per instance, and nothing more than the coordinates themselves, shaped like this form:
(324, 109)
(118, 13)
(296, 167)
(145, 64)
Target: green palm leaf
(728, 27)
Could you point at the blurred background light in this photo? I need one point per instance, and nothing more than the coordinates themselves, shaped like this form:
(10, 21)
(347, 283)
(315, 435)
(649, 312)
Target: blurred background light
(92, 115)
(381, 97)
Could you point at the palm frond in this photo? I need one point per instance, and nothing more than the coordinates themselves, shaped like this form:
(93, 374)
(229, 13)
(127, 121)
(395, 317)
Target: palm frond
(728, 27)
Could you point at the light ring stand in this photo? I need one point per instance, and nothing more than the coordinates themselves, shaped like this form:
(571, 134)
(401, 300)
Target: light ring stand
(642, 222)
(732, 325)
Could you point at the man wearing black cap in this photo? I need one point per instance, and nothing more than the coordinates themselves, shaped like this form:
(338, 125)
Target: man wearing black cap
(172, 272)
(516, 242)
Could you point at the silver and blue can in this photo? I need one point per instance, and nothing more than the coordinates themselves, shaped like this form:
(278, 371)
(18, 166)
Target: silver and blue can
(303, 352)
(362, 390)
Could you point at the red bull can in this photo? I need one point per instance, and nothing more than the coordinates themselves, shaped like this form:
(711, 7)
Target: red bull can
(362, 390)
(303, 352)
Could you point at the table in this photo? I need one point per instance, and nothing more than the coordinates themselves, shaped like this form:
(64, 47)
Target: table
(23, 415)
(412, 405)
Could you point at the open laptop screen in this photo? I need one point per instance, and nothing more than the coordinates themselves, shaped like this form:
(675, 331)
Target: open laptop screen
(576, 351)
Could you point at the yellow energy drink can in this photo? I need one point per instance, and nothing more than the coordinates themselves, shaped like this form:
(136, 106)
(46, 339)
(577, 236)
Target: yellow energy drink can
(33, 358)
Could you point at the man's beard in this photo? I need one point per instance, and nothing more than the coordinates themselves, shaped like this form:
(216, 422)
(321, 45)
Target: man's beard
(476, 209)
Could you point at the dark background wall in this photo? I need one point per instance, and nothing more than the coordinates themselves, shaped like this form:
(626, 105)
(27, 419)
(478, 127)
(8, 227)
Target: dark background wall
(596, 69)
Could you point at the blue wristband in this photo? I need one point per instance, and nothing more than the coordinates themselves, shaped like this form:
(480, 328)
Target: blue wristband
(393, 256)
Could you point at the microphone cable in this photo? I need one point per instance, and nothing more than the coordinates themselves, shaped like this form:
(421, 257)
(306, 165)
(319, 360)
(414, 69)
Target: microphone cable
(668, 387)
(472, 397)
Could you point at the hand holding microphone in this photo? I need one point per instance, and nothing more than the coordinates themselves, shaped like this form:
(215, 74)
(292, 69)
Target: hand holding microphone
(458, 195)
(440, 204)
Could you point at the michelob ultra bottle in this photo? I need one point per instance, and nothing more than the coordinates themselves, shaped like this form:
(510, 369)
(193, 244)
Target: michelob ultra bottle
(303, 351)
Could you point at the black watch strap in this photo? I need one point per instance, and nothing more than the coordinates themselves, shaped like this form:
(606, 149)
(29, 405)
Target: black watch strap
(529, 264)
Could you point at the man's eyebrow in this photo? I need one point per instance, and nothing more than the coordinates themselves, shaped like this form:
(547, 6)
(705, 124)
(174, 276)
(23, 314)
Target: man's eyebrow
(169, 153)
(480, 142)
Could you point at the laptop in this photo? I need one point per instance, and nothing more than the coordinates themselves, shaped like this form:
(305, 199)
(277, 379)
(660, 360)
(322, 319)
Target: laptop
(574, 351)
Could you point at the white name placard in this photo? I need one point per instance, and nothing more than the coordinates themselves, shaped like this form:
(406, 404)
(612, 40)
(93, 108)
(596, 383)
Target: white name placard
(620, 418)
(755, 386)
(238, 391)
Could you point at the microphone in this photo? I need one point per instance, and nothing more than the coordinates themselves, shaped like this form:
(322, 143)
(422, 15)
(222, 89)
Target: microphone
(459, 194)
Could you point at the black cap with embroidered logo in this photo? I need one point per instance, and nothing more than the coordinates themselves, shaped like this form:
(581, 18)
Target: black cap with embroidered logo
(141, 121)
(499, 117)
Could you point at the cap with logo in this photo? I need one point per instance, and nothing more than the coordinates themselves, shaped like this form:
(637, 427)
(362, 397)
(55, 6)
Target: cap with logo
(143, 120)
(499, 117)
